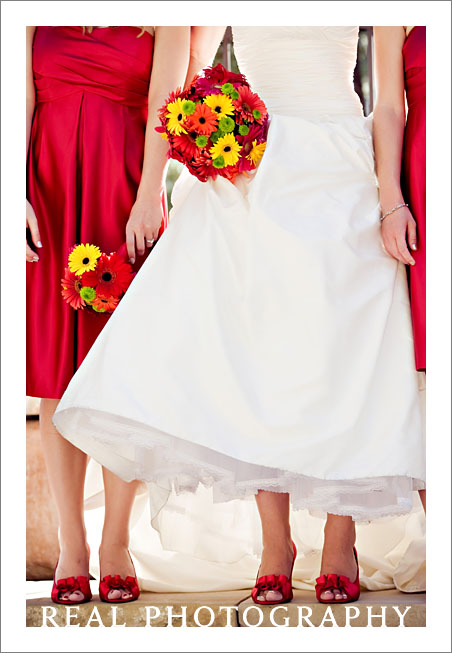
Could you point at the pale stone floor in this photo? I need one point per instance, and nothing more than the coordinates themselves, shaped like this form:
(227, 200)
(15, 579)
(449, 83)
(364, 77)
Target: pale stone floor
(233, 608)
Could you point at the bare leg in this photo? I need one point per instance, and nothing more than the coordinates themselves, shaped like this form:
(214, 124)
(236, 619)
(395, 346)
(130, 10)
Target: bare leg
(423, 497)
(277, 555)
(66, 468)
(337, 556)
(113, 551)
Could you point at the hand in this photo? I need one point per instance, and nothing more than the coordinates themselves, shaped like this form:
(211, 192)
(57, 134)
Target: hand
(143, 226)
(397, 230)
(32, 224)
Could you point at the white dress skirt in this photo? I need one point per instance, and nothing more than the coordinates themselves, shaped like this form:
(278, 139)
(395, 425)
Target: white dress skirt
(266, 343)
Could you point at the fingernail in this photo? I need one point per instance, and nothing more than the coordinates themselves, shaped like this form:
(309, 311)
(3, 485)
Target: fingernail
(35, 259)
(413, 246)
(39, 244)
(412, 263)
(132, 260)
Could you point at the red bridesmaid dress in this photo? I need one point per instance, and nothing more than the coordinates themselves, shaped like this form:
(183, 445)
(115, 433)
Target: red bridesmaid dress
(413, 178)
(83, 171)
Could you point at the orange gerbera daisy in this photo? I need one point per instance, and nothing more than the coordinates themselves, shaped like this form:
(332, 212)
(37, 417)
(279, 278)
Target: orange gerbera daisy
(72, 285)
(107, 303)
(203, 120)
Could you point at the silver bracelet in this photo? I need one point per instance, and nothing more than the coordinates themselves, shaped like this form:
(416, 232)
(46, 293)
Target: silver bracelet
(399, 206)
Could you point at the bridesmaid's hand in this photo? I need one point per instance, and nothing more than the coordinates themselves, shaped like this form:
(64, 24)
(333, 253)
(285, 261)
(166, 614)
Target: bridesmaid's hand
(397, 230)
(143, 226)
(32, 224)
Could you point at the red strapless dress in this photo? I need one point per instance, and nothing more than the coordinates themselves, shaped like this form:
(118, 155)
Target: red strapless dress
(84, 168)
(413, 177)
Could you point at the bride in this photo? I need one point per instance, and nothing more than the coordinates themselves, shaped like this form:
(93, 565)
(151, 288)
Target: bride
(265, 348)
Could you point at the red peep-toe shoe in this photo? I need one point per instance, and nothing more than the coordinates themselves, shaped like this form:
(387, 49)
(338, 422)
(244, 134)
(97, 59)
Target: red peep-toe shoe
(330, 582)
(116, 582)
(71, 584)
(276, 583)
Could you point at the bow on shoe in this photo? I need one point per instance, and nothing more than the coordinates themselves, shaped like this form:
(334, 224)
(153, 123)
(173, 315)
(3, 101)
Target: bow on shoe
(333, 581)
(68, 585)
(273, 583)
(330, 582)
(72, 584)
(116, 582)
(128, 584)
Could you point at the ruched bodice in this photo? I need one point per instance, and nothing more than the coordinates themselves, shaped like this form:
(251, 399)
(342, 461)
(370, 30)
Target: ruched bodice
(111, 62)
(301, 71)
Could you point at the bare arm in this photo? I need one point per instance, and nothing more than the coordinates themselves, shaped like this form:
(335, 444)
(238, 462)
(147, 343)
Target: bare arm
(204, 43)
(31, 221)
(169, 70)
(389, 127)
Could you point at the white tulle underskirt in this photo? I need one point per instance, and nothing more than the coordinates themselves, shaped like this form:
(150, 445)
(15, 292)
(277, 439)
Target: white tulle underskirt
(171, 464)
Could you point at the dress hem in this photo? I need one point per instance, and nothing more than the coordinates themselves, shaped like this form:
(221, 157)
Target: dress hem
(168, 464)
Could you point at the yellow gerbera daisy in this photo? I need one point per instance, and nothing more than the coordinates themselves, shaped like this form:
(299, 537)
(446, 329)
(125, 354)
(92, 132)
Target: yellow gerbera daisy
(257, 152)
(83, 258)
(228, 148)
(220, 104)
(175, 117)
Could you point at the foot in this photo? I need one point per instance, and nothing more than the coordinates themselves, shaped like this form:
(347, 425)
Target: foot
(73, 561)
(338, 557)
(115, 560)
(277, 558)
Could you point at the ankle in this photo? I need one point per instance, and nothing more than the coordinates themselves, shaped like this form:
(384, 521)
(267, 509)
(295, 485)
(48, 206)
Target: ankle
(277, 544)
(339, 540)
(109, 543)
(73, 542)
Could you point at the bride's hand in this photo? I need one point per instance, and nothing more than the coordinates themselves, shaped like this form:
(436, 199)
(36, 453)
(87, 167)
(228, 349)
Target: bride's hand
(32, 224)
(397, 230)
(143, 226)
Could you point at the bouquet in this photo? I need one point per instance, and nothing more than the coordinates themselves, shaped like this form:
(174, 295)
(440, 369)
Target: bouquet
(217, 126)
(95, 280)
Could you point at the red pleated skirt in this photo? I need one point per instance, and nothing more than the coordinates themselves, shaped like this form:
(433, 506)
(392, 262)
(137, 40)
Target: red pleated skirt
(83, 171)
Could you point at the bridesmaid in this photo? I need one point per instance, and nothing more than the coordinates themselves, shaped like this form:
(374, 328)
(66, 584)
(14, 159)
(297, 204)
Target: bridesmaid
(96, 170)
(400, 158)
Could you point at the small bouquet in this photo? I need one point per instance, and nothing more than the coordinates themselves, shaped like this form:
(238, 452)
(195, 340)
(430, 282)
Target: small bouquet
(217, 126)
(95, 280)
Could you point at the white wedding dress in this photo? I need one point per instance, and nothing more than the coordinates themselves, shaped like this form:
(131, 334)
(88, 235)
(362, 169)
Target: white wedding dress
(266, 342)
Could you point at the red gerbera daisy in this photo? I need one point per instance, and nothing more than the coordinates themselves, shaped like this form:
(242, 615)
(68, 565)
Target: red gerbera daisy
(72, 284)
(220, 75)
(249, 102)
(111, 277)
(202, 167)
(186, 144)
(107, 303)
(203, 120)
